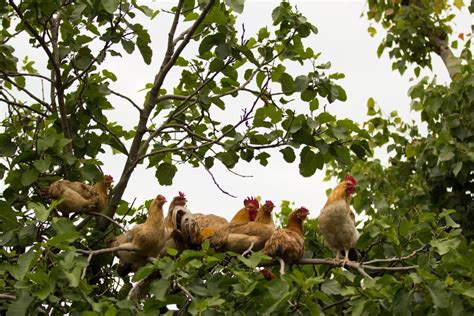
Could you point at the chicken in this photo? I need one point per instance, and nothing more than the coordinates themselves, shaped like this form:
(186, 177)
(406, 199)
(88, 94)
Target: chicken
(241, 237)
(209, 220)
(79, 197)
(242, 216)
(182, 231)
(147, 237)
(337, 221)
(264, 214)
(287, 244)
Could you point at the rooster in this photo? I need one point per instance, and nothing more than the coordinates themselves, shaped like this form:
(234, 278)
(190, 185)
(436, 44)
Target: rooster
(242, 237)
(79, 197)
(337, 221)
(148, 238)
(181, 229)
(287, 244)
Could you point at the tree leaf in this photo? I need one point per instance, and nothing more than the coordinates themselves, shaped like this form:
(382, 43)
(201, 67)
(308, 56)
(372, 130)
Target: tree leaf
(310, 162)
(29, 176)
(438, 294)
(110, 5)
(165, 173)
(288, 154)
(20, 305)
(236, 5)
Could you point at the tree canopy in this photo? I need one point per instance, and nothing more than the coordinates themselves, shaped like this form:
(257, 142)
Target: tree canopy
(416, 237)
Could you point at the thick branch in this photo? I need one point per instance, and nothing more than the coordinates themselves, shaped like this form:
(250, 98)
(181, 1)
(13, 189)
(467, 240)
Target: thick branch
(168, 62)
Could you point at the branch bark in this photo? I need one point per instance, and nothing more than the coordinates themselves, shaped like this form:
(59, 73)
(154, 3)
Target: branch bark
(169, 60)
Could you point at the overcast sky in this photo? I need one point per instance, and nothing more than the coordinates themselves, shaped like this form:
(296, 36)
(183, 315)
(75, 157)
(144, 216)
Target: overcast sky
(342, 39)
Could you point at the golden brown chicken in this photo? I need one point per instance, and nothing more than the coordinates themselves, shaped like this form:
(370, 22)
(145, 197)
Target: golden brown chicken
(244, 215)
(78, 196)
(337, 221)
(287, 244)
(209, 220)
(264, 214)
(147, 237)
(241, 237)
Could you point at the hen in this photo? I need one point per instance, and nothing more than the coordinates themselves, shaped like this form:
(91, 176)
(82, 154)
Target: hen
(287, 244)
(209, 220)
(148, 238)
(264, 214)
(79, 197)
(241, 237)
(337, 221)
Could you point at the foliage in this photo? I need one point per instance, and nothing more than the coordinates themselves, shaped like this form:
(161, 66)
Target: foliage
(412, 205)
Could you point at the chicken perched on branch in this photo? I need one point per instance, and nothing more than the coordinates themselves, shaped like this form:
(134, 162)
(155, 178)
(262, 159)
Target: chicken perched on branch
(264, 214)
(209, 220)
(79, 197)
(181, 229)
(244, 215)
(337, 221)
(241, 237)
(287, 244)
(148, 238)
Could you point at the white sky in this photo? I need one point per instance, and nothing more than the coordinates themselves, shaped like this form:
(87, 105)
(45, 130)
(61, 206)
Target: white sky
(342, 39)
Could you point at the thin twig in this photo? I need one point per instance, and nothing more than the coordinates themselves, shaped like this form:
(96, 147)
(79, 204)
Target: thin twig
(126, 98)
(336, 303)
(396, 259)
(110, 219)
(185, 291)
(108, 250)
(5, 296)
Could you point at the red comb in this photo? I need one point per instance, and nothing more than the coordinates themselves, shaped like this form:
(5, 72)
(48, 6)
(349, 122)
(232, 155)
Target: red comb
(303, 209)
(350, 179)
(251, 200)
(181, 194)
(268, 202)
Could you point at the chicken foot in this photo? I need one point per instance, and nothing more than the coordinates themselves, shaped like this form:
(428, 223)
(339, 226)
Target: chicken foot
(282, 265)
(249, 249)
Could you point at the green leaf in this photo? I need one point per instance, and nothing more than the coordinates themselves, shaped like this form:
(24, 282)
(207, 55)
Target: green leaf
(457, 167)
(310, 162)
(438, 294)
(23, 265)
(159, 288)
(28, 177)
(236, 5)
(7, 147)
(402, 302)
(110, 5)
(287, 84)
(331, 287)
(443, 246)
(165, 173)
(43, 164)
(301, 83)
(7, 217)
(288, 154)
(41, 211)
(263, 158)
(20, 305)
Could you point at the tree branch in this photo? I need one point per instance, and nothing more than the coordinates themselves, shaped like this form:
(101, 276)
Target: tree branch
(360, 267)
(397, 259)
(128, 99)
(168, 62)
(108, 250)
